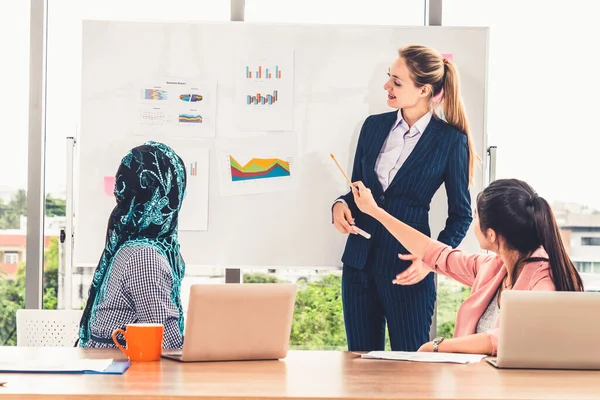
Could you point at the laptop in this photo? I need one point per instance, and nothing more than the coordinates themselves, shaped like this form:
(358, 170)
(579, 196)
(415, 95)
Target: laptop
(237, 322)
(549, 330)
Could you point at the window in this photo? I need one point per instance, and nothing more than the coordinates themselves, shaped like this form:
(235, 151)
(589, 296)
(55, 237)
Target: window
(584, 266)
(11, 257)
(587, 267)
(374, 12)
(526, 50)
(523, 44)
(450, 295)
(318, 317)
(14, 45)
(590, 241)
(63, 105)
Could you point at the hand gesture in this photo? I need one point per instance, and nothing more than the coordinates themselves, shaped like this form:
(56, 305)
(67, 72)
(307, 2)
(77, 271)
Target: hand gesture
(413, 274)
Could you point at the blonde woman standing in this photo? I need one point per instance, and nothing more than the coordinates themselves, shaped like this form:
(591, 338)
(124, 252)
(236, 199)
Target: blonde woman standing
(404, 156)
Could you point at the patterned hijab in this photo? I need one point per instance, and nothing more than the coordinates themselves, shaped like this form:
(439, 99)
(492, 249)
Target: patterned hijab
(150, 186)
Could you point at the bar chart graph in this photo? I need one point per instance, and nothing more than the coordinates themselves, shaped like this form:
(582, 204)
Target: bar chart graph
(264, 89)
(260, 99)
(263, 73)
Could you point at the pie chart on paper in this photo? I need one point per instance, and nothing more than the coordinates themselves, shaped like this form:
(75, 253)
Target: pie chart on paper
(192, 98)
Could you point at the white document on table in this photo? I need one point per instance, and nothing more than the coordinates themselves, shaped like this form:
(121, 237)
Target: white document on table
(48, 365)
(455, 358)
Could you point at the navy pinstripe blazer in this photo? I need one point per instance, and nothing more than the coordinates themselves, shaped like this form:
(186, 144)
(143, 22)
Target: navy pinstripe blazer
(440, 156)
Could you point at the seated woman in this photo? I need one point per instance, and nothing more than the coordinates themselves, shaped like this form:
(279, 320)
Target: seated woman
(513, 222)
(138, 278)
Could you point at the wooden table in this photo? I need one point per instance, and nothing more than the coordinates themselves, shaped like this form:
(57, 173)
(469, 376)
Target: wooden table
(302, 375)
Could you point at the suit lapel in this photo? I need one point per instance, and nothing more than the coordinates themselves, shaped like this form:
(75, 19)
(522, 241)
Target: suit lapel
(380, 134)
(424, 145)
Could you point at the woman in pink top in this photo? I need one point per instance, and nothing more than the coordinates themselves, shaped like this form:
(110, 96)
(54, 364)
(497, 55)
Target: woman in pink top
(513, 222)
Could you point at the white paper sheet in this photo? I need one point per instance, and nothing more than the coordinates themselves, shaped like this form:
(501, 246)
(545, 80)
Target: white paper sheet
(264, 96)
(456, 358)
(98, 365)
(178, 108)
(194, 211)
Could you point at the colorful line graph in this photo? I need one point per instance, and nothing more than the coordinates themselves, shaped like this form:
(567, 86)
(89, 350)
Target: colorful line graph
(190, 118)
(258, 168)
(261, 99)
(152, 117)
(194, 168)
(263, 73)
(155, 94)
(192, 98)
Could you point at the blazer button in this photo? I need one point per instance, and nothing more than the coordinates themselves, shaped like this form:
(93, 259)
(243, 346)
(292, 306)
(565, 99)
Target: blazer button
(382, 198)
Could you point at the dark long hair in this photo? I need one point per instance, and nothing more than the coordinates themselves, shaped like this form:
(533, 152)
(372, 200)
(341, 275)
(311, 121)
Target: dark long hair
(525, 220)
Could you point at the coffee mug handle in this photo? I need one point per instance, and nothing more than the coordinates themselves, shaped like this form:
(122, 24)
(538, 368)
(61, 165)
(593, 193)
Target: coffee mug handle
(114, 338)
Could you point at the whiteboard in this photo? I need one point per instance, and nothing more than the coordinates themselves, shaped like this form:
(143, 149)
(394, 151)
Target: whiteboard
(338, 77)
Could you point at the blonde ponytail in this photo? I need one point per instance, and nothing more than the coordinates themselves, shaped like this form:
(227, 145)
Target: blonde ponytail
(454, 111)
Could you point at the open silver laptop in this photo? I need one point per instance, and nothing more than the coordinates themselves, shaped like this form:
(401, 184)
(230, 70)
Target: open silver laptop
(549, 330)
(235, 322)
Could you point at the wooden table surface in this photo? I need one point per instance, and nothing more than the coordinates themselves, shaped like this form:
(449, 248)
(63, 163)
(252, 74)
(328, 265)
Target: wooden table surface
(302, 375)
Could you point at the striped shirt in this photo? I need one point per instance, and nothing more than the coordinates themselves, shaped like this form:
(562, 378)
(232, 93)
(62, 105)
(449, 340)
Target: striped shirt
(139, 288)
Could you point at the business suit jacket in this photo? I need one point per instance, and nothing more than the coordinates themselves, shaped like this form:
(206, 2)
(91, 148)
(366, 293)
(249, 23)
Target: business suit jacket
(484, 273)
(440, 156)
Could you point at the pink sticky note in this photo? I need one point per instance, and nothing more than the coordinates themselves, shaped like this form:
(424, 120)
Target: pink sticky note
(109, 185)
(447, 56)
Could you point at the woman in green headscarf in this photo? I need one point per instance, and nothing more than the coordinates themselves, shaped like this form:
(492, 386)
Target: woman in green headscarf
(138, 278)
